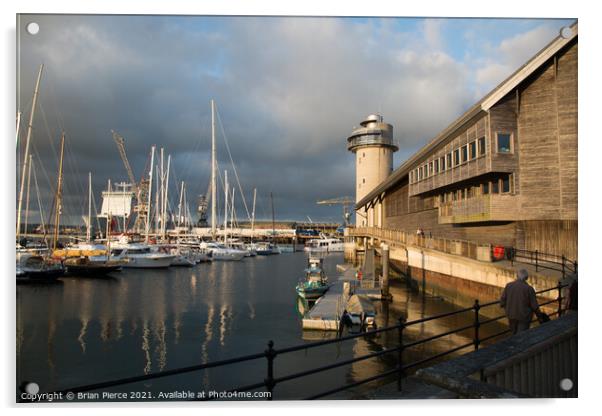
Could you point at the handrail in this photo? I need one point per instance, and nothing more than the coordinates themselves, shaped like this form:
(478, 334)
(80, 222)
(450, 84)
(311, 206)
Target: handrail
(467, 248)
(270, 354)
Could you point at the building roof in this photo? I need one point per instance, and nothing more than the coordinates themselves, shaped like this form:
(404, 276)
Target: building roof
(478, 109)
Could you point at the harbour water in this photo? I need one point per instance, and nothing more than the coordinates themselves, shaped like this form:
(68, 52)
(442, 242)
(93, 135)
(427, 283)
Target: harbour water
(81, 331)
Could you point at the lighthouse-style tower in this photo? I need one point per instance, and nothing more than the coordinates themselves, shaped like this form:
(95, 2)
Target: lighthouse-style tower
(373, 146)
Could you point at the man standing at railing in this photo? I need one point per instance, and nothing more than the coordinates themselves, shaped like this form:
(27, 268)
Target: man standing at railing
(519, 301)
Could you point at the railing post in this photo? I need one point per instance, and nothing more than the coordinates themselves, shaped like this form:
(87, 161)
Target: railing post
(536, 261)
(559, 299)
(270, 354)
(400, 371)
(563, 259)
(476, 341)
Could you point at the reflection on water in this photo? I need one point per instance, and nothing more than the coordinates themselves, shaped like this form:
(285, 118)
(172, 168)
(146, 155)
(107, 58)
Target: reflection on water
(92, 330)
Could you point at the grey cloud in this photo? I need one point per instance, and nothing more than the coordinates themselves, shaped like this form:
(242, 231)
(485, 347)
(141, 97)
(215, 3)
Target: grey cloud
(289, 91)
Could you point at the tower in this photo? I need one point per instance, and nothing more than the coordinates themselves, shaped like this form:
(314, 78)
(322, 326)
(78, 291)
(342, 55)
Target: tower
(373, 146)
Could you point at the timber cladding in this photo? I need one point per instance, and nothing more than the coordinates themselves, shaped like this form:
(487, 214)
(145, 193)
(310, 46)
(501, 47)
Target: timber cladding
(540, 114)
(547, 140)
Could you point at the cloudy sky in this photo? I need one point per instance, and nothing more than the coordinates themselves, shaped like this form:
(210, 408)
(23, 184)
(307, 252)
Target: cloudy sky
(288, 93)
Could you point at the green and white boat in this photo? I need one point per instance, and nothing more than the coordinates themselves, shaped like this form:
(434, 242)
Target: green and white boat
(316, 282)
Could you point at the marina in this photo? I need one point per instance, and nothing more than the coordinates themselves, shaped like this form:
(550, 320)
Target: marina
(178, 251)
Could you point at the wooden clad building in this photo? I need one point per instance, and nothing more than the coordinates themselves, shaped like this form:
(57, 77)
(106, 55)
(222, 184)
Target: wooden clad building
(505, 172)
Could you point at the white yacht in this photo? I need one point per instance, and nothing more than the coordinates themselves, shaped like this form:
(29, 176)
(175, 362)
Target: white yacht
(140, 255)
(325, 245)
(221, 252)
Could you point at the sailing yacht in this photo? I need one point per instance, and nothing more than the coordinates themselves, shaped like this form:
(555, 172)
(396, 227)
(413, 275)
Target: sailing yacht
(88, 258)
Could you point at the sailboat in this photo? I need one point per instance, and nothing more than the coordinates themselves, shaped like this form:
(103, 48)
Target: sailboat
(89, 258)
(218, 251)
(35, 267)
(142, 255)
(266, 248)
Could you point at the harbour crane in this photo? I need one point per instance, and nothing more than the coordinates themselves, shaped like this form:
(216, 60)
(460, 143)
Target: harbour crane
(140, 190)
(345, 201)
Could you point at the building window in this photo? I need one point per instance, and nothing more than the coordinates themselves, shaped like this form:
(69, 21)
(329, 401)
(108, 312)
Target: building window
(472, 150)
(411, 176)
(436, 168)
(442, 164)
(448, 161)
(506, 184)
(430, 168)
(495, 187)
(481, 146)
(426, 170)
(504, 142)
(363, 180)
(464, 153)
(485, 189)
(457, 157)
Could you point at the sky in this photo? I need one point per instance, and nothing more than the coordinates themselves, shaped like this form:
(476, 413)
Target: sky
(289, 91)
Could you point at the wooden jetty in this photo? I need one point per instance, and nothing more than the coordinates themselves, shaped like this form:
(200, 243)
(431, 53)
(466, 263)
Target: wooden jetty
(326, 313)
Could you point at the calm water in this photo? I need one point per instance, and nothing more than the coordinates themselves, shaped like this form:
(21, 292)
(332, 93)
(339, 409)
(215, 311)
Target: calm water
(81, 331)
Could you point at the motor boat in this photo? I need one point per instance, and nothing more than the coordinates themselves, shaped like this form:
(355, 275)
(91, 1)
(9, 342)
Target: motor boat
(325, 245)
(31, 267)
(221, 252)
(141, 255)
(315, 283)
(265, 248)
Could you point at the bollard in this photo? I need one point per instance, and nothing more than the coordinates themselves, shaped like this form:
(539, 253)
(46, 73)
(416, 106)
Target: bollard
(385, 264)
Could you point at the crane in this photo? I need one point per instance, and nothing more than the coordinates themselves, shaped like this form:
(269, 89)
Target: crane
(345, 201)
(140, 190)
(120, 141)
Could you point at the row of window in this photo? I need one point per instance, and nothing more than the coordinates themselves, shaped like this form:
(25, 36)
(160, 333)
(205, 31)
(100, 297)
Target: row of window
(459, 156)
(502, 185)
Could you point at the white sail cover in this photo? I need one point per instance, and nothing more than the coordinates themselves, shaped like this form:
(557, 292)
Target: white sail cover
(116, 203)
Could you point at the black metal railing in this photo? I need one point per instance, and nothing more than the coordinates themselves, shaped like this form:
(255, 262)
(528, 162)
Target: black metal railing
(543, 260)
(401, 369)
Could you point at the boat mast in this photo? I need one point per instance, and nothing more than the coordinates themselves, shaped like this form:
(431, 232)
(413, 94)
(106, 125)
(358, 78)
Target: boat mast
(213, 172)
(59, 189)
(273, 225)
(226, 207)
(88, 228)
(27, 197)
(108, 227)
(18, 126)
(150, 193)
(180, 205)
(165, 195)
(253, 214)
(26, 156)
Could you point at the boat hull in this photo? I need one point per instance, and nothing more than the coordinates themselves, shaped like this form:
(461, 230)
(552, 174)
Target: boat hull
(148, 262)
